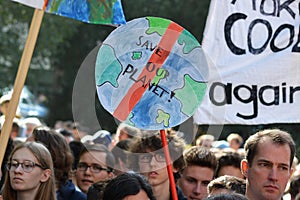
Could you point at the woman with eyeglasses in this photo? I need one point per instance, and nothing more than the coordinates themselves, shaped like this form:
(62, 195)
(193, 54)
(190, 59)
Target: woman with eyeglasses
(30, 174)
(62, 160)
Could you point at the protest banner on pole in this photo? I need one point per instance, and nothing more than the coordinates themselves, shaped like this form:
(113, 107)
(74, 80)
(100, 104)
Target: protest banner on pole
(254, 53)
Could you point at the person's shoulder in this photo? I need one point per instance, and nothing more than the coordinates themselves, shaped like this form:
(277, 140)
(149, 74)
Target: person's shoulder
(180, 194)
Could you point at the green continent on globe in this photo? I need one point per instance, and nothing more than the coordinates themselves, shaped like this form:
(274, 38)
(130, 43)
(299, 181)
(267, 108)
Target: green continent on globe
(190, 94)
(136, 55)
(163, 117)
(108, 68)
(157, 25)
(189, 41)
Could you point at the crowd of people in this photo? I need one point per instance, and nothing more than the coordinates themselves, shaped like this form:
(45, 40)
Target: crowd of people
(67, 163)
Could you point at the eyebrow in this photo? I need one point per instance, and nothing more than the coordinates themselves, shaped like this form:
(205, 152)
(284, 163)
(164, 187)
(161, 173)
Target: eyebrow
(269, 162)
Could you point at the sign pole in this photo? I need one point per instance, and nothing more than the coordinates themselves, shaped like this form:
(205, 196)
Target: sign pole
(20, 79)
(169, 164)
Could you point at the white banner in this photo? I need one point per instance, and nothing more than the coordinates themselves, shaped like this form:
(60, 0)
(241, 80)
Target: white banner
(254, 48)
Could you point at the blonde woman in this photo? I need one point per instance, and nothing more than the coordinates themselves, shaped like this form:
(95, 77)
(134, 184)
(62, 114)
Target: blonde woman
(29, 173)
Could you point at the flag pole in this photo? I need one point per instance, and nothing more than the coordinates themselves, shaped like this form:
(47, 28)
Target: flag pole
(169, 164)
(20, 79)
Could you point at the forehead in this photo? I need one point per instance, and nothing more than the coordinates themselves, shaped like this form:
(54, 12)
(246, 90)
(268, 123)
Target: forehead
(24, 154)
(198, 172)
(268, 150)
(93, 157)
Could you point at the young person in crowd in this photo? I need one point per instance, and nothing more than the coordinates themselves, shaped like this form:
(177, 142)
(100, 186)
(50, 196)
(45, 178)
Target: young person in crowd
(149, 159)
(30, 173)
(95, 164)
(62, 159)
(130, 185)
(200, 168)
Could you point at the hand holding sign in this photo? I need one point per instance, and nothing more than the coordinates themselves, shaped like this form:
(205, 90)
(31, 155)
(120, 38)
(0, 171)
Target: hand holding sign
(151, 73)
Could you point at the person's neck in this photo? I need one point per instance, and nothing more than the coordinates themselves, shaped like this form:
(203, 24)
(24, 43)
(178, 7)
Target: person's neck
(25, 196)
(162, 191)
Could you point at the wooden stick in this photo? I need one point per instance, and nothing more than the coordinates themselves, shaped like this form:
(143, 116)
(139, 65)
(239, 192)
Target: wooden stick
(20, 79)
(169, 164)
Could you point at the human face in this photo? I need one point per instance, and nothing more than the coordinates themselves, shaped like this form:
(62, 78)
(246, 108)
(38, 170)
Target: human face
(86, 178)
(123, 135)
(142, 195)
(231, 171)
(269, 173)
(28, 182)
(155, 171)
(194, 181)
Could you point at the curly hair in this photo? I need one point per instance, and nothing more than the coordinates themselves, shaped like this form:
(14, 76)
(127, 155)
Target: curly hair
(150, 142)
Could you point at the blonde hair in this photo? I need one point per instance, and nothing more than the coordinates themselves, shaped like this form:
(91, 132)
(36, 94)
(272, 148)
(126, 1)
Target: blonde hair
(46, 190)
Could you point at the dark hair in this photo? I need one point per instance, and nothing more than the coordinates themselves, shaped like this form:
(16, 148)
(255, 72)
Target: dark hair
(120, 150)
(276, 136)
(152, 142)
(76, 147)
(127, 184)
(60, 151)
(229, 196)
(294, 186)
(200, 156)
(110, 159)
(65, 132)
(230, 183)
(96, 190)
(229, 159)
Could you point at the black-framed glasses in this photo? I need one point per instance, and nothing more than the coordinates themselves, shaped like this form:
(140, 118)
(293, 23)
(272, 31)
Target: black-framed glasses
(95, 168)
(27, 165)
(147, 157)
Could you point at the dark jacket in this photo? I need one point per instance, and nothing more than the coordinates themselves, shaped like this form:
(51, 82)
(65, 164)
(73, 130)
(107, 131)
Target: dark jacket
(179, 194)
(69, 192)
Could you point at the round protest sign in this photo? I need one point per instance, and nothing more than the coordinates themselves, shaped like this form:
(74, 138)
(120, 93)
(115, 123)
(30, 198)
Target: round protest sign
(151, 73)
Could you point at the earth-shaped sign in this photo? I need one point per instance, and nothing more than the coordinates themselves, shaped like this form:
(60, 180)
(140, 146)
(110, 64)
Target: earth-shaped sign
(151, 73)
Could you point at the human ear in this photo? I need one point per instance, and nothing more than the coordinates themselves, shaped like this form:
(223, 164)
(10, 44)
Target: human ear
(45, 175)
(110, 175)
(244, 167)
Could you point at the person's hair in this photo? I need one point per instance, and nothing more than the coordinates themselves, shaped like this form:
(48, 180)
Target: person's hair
(96, 190)
(150, 142)
(127, 184)
(130, 130)
(121, 149)
(205, 137)
(8, 150)
(230, 183)
(200, 156)
(76, 147)
(236, 137)
(229, 159)
(60, 151)
(229, 196)
(46, 189)
(65, 132)
(277, 136)
(110, 159)
(294, 188)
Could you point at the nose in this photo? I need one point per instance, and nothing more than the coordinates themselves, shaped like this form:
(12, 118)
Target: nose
(88, 170)
(197, 189)
(273, 174)
(19, 168)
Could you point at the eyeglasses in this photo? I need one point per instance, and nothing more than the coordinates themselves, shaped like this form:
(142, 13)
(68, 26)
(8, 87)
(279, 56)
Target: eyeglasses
(95, 168)
(147, 157)
(27, 165)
